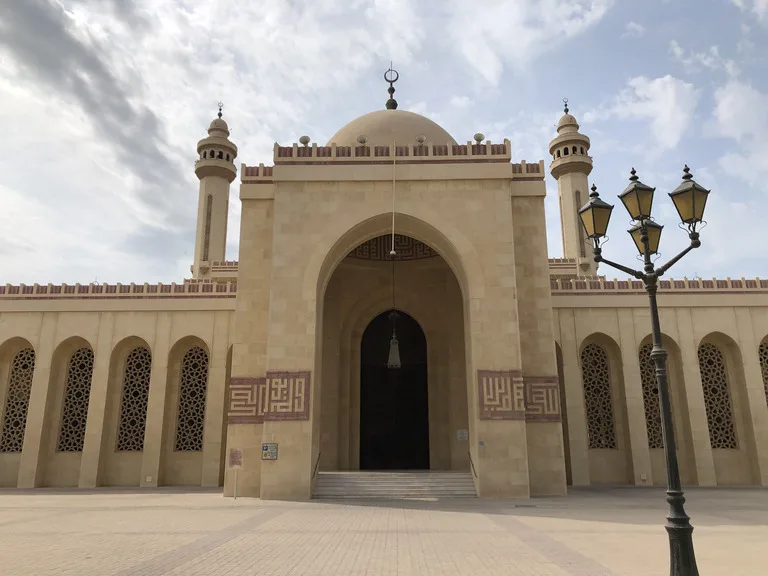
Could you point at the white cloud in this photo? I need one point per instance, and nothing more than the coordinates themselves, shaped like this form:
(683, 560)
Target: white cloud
(490, 33)
(461, 101)
(757, 7)
(633, 30)
(668, 103)
(741, 113)
(710, 60)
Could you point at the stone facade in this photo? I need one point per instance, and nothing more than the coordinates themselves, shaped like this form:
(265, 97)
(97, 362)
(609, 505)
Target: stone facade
(536, 376)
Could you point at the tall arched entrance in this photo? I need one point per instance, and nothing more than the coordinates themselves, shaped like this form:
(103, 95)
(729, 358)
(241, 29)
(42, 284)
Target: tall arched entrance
(394, 407)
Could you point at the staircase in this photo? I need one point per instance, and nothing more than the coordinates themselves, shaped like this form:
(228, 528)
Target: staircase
(394, 485)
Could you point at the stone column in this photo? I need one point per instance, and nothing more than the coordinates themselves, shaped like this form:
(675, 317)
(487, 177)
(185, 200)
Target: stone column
(694, 393)
(158, 385)
(756, 413)
(574, 400)
(216, 396)
(35, 435)
(97, 404)
(633, 397)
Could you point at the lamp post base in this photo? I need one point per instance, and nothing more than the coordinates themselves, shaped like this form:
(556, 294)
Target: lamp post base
(682, 559)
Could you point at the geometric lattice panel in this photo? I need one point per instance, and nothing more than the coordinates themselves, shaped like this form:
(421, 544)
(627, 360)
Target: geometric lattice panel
(598, 403)
(763, 351)
(133, 404)
(406, 248)
(717, 397)
(192, 392)
(17, 401)
(77, 392)
(650, 398)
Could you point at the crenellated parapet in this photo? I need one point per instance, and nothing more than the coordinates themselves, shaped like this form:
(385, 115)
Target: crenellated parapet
(671, 286)
(189, 289)
(416, 153)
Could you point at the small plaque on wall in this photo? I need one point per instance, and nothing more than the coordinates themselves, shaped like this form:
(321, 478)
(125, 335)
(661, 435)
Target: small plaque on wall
(235, 458)
(269, 451)
(462, 435)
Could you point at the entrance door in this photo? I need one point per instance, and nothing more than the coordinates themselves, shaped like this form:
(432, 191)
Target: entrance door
(394, 418)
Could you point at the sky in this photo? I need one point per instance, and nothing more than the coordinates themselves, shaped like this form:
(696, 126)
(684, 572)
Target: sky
(102, 103)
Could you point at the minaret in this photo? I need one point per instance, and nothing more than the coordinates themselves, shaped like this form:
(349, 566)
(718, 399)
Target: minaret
(216, 170)
(570, 166)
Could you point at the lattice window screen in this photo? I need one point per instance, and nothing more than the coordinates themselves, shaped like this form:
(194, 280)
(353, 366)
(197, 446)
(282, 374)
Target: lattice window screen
(133, 407)
(192, 393)
(17, 401)
(650, 398)
(763, 352)
(717, 397)
(77, 392)
(598, 402)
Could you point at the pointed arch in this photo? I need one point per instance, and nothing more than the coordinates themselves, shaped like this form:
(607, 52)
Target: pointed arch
(680, 417)
(69, 391)
(17, 365)
(762, 353)
(184, 418)
(610, 457)
(126, 413)
(731, 435)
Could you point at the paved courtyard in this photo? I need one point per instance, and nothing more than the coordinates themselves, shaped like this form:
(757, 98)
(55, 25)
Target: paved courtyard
(590, 533)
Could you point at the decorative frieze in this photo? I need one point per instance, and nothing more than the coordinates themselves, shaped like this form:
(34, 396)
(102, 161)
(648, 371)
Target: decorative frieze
(278, 396)
(508, 395)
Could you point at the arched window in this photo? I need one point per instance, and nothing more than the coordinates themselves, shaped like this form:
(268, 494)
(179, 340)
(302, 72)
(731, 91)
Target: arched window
(565, 151)
(650, 398)
(717, 397)
(598, 403)
(207, 229)
(221, 155)
(77, 392)
(133, 405)
(192, 393)
(582, 149)
(763, 353)
(558, 153)
(573, 150)
(17, 401)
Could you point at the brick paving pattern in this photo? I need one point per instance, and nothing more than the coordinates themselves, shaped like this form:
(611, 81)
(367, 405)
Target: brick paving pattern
(592, 532)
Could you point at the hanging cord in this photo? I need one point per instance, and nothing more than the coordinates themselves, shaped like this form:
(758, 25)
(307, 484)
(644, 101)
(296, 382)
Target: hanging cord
(393, 252)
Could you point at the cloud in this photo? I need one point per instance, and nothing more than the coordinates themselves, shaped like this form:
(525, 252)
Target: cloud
(710, 60)
(757, 7)
(461, 101)
(668, 103)
(741, 114)
(115, 94)
(633, 30)
(490, 33)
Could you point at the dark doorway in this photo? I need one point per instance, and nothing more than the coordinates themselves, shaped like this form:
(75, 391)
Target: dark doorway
(394, 417)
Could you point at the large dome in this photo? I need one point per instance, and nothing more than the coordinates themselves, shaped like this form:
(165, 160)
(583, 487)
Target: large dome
(383, 127)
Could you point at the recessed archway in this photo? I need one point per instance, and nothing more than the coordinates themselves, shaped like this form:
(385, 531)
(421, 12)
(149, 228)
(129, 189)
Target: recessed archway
(394, 407)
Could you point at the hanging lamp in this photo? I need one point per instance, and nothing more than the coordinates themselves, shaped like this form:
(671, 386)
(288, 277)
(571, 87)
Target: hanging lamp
(393, 361)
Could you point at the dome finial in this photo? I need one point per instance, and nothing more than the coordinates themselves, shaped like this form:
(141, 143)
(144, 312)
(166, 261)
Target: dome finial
(391, 76)
(221, 105)
(565, 105)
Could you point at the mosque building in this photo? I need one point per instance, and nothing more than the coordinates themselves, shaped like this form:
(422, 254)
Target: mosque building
(392, 308)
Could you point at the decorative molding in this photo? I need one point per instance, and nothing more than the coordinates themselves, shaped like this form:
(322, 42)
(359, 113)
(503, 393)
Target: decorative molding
(586, 286)
(378, 248)
(278, 396)
(508, 395)
(189, 289)
(542, 398)
(501, 395)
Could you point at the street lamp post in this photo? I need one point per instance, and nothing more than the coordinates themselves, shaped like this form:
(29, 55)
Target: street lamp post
(689, 199)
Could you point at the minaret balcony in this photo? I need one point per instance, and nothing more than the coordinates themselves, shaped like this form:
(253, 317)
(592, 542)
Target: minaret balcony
(205, 167)
(571, 163)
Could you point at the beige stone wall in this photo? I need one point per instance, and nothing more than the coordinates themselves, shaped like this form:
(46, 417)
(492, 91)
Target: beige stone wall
(736, 331)
(111, 329)
(360, 290)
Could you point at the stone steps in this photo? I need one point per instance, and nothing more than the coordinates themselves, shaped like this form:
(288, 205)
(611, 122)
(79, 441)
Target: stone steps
(393, 485)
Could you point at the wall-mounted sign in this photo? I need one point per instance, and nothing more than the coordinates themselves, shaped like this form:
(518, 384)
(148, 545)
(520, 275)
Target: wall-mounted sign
(462, 435)
(269, 451)
(235, 458)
